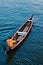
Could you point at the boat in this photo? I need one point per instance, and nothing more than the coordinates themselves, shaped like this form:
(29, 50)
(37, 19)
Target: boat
(21, 34)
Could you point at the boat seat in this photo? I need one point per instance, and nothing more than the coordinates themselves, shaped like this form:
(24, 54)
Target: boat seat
(26, 28)
(29, 20)
(19, 38)
(21, 33)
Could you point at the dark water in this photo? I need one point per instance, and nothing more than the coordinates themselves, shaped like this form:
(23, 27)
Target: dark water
(13, 13)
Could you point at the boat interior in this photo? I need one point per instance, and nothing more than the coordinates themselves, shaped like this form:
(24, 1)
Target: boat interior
(22, 31)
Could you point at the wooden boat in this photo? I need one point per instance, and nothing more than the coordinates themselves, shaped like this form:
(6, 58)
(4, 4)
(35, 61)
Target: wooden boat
(21, 34)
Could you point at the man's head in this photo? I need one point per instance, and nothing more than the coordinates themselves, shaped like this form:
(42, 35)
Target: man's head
(10, 37)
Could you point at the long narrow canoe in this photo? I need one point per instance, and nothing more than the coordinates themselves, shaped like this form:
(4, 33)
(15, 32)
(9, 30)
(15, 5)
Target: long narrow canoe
(21, 34)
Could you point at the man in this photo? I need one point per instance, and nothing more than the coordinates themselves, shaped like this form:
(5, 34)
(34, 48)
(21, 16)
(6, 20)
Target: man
(10, 42)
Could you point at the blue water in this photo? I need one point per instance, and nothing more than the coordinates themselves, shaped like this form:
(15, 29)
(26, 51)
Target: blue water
(13, 13)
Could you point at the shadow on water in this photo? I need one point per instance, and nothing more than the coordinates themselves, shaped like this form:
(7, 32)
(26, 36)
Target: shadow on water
(12, 53)
(10, 56)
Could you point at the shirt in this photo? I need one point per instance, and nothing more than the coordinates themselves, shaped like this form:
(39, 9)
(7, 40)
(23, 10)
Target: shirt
(10, 42)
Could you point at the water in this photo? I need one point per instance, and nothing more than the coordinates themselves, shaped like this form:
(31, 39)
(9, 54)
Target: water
(13, 13)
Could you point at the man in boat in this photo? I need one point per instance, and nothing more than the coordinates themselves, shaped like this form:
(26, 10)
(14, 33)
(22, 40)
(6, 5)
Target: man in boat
(11, 42)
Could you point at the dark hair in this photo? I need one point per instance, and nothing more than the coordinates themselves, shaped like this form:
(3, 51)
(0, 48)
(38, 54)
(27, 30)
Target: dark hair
(10, 37)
